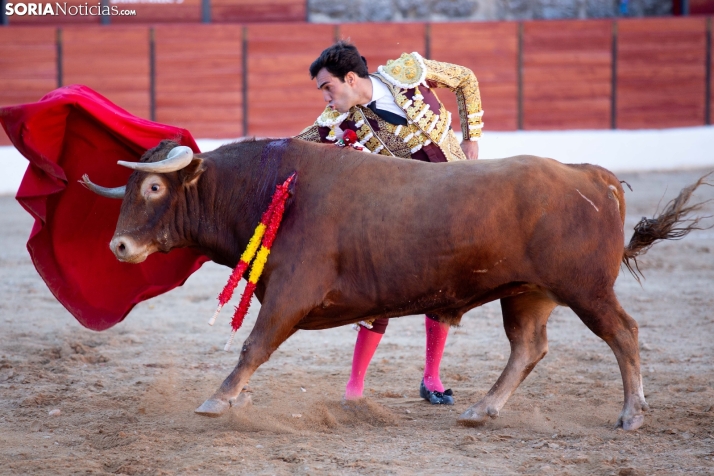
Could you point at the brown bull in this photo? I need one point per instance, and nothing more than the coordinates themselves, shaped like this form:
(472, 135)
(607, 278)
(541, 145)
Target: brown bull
(366, 236)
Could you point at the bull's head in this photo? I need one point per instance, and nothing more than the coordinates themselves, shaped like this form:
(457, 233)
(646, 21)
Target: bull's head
(153, 196)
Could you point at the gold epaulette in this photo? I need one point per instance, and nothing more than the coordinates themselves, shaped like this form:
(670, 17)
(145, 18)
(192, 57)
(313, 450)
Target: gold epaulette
(408, 71)
(331, 117)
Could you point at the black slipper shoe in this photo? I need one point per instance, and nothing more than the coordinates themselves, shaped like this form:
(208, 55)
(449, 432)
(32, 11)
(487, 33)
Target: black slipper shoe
(436, 398)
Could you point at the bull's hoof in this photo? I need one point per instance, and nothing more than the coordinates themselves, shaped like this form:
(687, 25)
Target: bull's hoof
(630, 424)
(241, 401)
(213, 408)
(474, 417)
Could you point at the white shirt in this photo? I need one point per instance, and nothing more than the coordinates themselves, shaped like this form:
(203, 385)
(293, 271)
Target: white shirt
(384, 99)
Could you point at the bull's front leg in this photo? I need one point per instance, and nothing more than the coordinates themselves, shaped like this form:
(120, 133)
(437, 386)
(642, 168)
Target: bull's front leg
(273, 326)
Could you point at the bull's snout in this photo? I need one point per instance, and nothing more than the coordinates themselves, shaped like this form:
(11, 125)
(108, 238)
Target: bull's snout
(126, 249)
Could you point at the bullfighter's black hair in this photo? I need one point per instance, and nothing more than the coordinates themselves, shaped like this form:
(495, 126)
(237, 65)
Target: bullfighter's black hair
(340, 59)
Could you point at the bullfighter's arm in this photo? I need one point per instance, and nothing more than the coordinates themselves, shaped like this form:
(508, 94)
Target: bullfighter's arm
(322, 129)
(311, 134)
(463, 83)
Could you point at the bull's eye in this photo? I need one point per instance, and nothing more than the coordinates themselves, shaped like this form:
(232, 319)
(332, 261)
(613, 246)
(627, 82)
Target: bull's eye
(153, 187)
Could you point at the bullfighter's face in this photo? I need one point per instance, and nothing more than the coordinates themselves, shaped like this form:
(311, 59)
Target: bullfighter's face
(339, 95)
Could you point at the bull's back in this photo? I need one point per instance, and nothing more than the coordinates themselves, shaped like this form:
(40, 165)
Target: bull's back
(402, 227)
(397, 197)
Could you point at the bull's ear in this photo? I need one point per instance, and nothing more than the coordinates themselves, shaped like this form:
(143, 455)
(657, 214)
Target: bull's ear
(191, 173)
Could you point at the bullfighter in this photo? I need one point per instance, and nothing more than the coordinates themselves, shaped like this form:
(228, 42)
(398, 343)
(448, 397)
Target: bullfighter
(395, 112)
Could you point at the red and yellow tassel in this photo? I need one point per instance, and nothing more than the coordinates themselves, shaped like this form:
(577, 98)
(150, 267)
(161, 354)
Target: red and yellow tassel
(242, 265)
(264, 236)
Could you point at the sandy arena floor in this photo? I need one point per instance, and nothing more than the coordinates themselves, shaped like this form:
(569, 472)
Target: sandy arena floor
(126, 396)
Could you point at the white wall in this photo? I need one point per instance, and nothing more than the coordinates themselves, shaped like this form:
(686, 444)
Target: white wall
(618, 150)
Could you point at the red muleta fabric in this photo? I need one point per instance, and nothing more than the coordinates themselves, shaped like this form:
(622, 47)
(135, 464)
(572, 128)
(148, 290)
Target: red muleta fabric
(72, 131)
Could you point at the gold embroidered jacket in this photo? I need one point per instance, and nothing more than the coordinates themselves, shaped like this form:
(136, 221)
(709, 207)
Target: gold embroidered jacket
(411, 80)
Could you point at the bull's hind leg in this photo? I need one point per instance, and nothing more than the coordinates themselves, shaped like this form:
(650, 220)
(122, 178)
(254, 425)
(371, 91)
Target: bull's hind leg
(606, 318)
(524, 318)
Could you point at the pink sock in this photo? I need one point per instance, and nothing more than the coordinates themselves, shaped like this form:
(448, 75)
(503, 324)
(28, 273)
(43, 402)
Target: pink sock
(367, 342)
(436, 333)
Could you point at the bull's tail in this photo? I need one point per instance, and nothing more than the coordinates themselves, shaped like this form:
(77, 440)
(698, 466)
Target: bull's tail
(671, 224)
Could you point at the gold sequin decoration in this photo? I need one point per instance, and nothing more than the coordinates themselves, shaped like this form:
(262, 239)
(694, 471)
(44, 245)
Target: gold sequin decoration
(405, 70)
(464, 84)
(310, 134)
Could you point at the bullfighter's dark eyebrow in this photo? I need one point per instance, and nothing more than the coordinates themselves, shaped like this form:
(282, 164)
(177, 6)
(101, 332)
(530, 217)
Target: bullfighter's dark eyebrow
(321, 85)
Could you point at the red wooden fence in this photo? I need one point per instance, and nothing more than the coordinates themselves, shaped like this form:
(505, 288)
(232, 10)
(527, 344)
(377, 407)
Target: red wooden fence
(199, 78)
(661, 74)
(28, 66)
(567, 75)
(490, 50)
(282, 98)
(710, 89)
(184, 11)
(244, 11)
(379, 42)
(114, 63)
(536, 75)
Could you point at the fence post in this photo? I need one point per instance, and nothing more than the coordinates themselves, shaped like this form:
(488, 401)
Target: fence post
(206, 11)
(520, 76)
(613, 86)
(105, 19)
(708, 76)
(3, 17)
(244, 59)
(427, 41)
(152, 75)
(60, 59)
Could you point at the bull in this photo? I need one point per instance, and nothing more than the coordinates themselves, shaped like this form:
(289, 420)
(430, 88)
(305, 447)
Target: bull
(367, 236)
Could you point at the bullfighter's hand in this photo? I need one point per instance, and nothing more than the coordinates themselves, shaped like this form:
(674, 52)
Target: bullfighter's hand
(470, 149)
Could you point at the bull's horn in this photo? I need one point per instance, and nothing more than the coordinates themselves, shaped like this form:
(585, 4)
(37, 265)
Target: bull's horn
(117, 192)
(178, 158)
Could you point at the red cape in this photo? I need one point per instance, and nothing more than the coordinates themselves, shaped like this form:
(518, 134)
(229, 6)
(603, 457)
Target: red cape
(69, 132)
